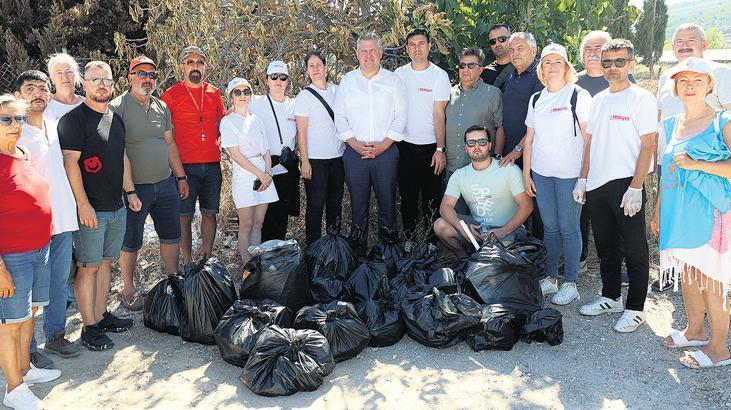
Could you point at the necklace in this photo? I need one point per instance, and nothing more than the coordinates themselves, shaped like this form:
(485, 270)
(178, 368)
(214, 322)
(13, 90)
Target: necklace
(200, 109)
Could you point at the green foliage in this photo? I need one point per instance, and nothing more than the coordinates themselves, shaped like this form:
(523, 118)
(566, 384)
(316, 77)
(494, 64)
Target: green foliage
(650, 34)
(715, 38)
(707, 13)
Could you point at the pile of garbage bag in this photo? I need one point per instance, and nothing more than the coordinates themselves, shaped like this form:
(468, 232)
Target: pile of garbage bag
(339, 323)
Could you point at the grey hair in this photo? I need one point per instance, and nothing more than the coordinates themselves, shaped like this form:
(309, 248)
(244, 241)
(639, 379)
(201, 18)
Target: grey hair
(372, 36)
(60, 58)
(619, 44)
(96, 64)
(11, 100)
(690, 27)
(591, 35)
(525, 36)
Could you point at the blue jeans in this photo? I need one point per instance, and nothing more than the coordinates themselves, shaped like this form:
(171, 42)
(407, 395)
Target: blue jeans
(561, 220)
(54, 315)
(93, 245)
(30, 274)
(161, 201)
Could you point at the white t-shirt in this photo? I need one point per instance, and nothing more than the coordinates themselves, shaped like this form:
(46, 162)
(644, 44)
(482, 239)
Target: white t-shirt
(322, 136)
(616, 122)
(246, 133)
(55, 110)
(423, 88)
(556, 151)
(46, 158)
(285, 115)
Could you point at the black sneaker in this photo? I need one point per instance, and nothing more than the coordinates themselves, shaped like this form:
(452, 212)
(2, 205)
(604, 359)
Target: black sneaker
(94, 338)
(113, 324)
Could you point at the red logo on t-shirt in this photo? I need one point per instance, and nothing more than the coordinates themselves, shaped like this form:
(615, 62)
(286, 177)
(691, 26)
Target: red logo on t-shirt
(425, 90)
(620, 118)
(93, 165)
(559, 109)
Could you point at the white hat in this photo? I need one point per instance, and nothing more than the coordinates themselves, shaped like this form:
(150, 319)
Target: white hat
(235, 82)
(554, 48)
(277, 66)
(692, 64)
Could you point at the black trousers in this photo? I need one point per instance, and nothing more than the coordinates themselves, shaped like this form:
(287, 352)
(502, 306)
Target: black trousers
(324, 192)
(534, 224)
(612, 229)
(584, 224)
(276, 219)
(418, 186)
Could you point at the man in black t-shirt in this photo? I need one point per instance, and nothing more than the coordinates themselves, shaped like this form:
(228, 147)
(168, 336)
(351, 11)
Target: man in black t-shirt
(498, 71)
(92, 141)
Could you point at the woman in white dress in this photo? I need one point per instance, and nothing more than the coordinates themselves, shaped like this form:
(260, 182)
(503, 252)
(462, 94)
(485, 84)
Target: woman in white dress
(244, 137)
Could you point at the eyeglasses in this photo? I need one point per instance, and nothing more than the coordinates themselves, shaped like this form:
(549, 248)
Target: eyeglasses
(482, 142)
(471, 66)
(192, 63)
(6, 120)
(245, 91)
(618, 62)
(501, 39)
(96, 82)
(277, 76)
(152, 75)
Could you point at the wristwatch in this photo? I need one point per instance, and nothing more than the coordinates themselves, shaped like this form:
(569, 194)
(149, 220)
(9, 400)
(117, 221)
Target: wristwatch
(270, 173)
(128, 193)
(441, 149)
(182, 178)
(518, 148)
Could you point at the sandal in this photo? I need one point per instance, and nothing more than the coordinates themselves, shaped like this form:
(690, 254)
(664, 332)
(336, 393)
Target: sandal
(679, 340)
(702, 360)
(132, 301)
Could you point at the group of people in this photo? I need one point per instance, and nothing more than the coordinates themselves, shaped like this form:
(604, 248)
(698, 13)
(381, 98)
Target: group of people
(512, 149)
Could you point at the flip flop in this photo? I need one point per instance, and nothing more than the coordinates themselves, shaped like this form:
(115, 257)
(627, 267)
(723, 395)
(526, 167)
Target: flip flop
(132, 302)
(679, 341)
(703, 360)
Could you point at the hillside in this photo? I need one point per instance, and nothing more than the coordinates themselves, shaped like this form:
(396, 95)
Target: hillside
(707, 13)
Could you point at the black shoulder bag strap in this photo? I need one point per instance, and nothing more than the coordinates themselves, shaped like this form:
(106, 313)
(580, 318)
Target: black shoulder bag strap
(276, 120)
(500, 79)
(324, 103)
(574, 98)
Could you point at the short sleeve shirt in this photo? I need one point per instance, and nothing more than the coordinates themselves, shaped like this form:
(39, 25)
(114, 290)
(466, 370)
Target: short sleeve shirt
(100, 139)
(492, 72)
(55, 110)
(481, 104)
(423, 88)
(247, 133)
(322, 135)
(285, 117)
(490, 193)
(196, 114)
(517, 91)
(145, 137)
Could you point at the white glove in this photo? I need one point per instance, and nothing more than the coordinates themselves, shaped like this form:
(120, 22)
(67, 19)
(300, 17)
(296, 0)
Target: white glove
(632, 201)
(579, 191)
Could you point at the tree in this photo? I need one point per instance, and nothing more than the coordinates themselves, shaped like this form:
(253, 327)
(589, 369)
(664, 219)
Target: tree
(650, 34)
(715, 38)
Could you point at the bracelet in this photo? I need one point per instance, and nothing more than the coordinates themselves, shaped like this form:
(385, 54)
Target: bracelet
(132, 192)
(182, 178)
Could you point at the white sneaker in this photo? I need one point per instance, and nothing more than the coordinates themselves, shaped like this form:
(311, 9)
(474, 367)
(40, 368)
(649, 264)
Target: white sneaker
(566, 294)
(583, 267)
(36, 375)
(602, 305)
(549, 286)
(21, 398)
(630, 321)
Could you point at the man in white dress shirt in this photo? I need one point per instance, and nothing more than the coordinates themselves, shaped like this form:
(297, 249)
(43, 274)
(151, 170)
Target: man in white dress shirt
(370, 115)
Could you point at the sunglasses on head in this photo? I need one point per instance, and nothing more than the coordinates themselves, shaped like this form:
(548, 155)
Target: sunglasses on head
(501, 39)
(482, 142)
(6, 120)
(278, 76)
(618, 62)
(245, 91)
(96, 82)
(152, 75)
(471, 66)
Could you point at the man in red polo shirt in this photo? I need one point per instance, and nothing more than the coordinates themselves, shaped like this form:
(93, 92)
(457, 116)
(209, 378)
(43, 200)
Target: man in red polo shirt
(196, 108)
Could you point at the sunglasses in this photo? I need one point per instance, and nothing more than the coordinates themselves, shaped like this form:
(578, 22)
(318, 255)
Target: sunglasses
(482, 142)
(96, 82)
(245, 91)
(501, 39)
(277, 76)
(6, 120)
(152, 75)
(471, 66)
(618, 62)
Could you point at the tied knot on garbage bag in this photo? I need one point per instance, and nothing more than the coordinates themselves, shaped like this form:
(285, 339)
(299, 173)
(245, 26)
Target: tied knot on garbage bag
(164, 308)
(339, 323)
(388, 249)
(330, 260)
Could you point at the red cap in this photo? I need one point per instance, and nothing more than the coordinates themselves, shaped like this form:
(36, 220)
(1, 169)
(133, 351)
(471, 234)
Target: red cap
(143, 59)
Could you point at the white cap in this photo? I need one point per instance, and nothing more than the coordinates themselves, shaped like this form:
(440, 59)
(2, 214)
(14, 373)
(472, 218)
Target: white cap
(692, 64)
(235, 82)
(554, 48)
(277, 66)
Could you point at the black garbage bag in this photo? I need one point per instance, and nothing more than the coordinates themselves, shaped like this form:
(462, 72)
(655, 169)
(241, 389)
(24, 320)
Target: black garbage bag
(499, 329)
(279, 273)
(437, 319)
(164, 308)
(388, 249)
(544, 325)
(286, 361)
(384, 321)
(329, 263)
(496, 275)
(404, 283)
(368, 281)
(208, 292)
(236, 333)
(358, 241)
(339, 323)
(421, 256)
(533, 250)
